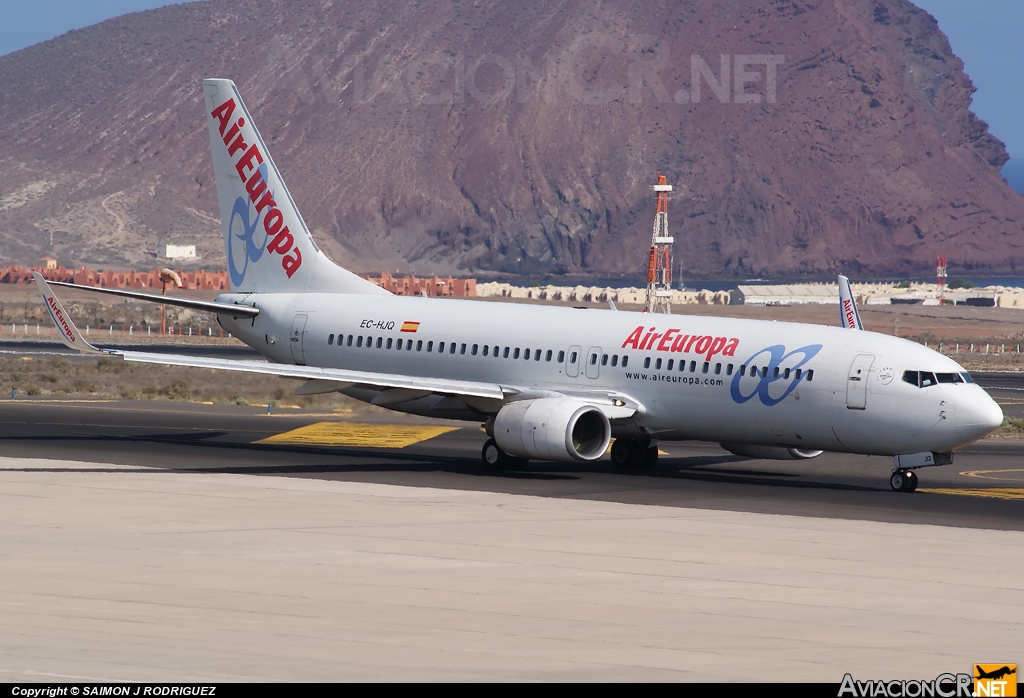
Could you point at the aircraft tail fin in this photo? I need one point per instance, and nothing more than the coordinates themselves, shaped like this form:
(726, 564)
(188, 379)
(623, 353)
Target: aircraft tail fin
(269, 247)
(848, 315)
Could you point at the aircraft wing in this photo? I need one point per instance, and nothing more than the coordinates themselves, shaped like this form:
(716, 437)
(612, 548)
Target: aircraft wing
(395, 388)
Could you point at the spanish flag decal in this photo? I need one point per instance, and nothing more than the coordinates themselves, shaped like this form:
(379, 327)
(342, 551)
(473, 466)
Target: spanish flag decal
(410, 326)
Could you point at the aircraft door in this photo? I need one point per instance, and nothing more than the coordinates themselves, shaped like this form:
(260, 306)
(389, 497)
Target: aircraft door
(572, 362)
(857, 383)
(593, 359)
(297, 337)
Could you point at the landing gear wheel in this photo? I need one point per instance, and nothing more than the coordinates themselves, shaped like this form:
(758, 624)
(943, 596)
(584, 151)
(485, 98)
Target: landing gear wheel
(494, 458)
(903, 480)
(624, 453)
(491, 455)
(911, 481)
(630, 454)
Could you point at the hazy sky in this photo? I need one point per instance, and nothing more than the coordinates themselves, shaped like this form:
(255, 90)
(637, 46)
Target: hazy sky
(984, 33)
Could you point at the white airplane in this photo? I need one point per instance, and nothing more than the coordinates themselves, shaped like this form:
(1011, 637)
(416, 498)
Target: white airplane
(555, 383)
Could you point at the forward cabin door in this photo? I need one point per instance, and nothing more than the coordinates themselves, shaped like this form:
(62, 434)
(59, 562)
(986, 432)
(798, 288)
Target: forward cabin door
(593, 367)
(857, 383)
(297, 337)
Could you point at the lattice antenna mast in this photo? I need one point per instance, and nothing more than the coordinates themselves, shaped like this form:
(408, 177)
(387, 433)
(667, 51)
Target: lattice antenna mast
(940, 278)
(659, 267)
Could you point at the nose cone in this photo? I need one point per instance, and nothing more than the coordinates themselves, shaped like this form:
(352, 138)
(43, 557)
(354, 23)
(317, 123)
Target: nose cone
(977, 414)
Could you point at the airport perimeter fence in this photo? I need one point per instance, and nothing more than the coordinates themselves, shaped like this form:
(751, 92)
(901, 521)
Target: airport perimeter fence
(27, 330)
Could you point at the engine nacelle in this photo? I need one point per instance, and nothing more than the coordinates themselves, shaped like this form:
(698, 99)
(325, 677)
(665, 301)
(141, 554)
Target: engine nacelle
(771, 452)
(558, 429)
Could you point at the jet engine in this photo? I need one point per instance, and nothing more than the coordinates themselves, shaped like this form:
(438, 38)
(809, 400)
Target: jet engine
(771, 452)
(557, 429)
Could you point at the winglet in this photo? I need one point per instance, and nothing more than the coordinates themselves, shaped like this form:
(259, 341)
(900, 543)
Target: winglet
(69, 334)
(848, 315)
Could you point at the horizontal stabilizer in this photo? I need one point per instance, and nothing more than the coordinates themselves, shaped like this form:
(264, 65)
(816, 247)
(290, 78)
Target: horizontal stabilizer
(209, 306)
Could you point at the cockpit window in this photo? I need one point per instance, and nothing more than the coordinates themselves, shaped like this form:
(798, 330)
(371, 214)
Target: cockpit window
(967, 377)
(924, 379)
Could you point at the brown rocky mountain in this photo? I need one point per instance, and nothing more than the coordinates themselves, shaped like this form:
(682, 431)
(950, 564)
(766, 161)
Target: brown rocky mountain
(456, 136)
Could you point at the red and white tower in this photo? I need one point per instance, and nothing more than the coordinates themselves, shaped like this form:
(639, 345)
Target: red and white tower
(940, 278)
(659, 267)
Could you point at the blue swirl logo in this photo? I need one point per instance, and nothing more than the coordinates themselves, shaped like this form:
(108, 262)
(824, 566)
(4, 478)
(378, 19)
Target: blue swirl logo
(243, 236)
(778, 374)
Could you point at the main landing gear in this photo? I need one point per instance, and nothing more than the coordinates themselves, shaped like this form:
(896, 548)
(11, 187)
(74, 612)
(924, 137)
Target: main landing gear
(494, 458)
(903, 481)
(630, 454)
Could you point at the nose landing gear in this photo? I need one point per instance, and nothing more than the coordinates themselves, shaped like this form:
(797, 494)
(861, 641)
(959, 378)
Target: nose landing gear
(903, 478)
(903, 481)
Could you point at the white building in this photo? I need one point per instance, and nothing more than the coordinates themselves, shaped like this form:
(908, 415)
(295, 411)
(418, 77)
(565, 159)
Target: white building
(176, 252)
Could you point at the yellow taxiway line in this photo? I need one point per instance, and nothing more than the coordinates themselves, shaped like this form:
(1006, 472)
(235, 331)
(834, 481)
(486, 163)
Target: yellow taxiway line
(356, 434)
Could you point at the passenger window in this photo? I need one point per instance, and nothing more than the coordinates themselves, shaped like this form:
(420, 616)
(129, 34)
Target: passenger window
(451, 347)
(693, 367)
(440, 347)
(797, 373)
(775, 372)
(398, 344)
(704, 369)
(657, 364)
(785, 375)
(419, 345)
(718, 369)
(743, 370)
(462, 349)
(728, 370)
(810, 375)
(430, 346)
(330, 339)
(487, 349)
(572, 357)
(505, 355)
(380, 340)
(547, 356)
(647, 362)
(615, 360)
(475, 347)
(390, 342)
(625, 360)
(593, 359)
(348, 342)
(359, 342)
(526, 354)
(668, 366)
(496, 351)
(604, 359)
(927, 379)
(561, 356)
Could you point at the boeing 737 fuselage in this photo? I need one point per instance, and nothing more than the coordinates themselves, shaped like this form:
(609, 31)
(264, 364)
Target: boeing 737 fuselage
(559, 383)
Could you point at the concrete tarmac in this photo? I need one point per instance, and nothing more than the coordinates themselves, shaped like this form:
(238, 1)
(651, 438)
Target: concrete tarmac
(148, 541)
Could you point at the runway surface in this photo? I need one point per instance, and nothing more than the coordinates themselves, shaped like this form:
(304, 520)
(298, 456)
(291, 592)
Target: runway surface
(984, 487)
(175, 542)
